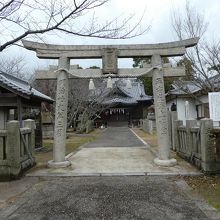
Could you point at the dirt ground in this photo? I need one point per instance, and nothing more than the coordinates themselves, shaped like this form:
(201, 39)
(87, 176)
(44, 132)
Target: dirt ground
(73, 141)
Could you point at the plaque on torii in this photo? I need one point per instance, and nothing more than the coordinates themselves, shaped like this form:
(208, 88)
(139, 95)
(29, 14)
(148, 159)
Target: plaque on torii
(109, 55)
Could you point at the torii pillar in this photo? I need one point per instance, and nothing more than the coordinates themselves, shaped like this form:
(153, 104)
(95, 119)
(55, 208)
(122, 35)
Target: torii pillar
(163, 157)
(61, 116)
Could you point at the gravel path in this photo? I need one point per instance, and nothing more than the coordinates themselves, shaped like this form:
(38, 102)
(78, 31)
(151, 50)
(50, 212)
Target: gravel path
(105, 198)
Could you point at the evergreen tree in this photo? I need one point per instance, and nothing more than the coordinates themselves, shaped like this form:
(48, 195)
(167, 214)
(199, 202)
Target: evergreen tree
(147, 81)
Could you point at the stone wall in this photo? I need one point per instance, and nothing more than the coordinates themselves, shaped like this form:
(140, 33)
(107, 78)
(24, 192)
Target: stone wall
(47, 125)
(48, 130)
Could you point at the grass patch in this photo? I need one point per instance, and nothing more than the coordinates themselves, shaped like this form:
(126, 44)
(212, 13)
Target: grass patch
(73, 142)
(207, 187)
(151, 139)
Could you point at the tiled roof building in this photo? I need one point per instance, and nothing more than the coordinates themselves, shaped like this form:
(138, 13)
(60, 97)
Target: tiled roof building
(19, 101)
(127, 102)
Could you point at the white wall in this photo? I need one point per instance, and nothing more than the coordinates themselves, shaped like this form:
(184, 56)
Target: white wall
(181, 109)
(180, 104)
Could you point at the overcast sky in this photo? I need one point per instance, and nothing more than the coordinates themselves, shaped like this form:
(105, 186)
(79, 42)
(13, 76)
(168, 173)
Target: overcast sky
(157, 14)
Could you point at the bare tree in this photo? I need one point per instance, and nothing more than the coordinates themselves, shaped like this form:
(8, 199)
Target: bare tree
(83, 104)
(205, 57)
(89, 104)
(48, 87)
(22, 18)
(16, 66)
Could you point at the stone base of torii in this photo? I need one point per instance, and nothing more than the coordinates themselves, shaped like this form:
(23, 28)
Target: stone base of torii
(109, 55)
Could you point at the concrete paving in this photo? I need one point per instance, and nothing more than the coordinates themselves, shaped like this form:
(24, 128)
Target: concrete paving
(116, 137)
(118, 151)
(108, 198)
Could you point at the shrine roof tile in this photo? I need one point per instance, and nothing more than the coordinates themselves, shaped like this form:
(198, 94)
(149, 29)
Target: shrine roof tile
(132, 95)
(21, 87)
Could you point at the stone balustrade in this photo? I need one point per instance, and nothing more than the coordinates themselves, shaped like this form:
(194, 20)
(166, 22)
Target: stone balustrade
(16, 148)
(197, 142)
(149, 124)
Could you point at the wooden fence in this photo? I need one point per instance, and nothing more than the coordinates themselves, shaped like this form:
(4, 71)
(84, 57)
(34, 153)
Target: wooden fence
(16, 148)
(197, 142)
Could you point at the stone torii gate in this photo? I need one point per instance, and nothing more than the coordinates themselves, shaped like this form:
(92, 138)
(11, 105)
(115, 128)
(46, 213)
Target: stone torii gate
(109, 54)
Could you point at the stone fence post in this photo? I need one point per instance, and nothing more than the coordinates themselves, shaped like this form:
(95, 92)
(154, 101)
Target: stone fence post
(176, 144)
(13, 147)
(189, 125)
(173, 119)
(207, 148)
(169, 119)
(29, 123)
